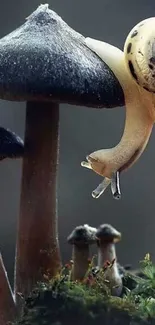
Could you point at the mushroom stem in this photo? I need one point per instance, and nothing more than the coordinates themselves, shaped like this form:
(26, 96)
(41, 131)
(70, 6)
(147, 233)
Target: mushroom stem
(37, 250)
(80, 256)
(107, 252)
(139, 116)
(7, 303)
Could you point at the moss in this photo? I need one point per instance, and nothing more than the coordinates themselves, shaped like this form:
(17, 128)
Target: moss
(62, 302)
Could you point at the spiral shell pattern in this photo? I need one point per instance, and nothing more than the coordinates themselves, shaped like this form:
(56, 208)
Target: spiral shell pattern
(139, 51)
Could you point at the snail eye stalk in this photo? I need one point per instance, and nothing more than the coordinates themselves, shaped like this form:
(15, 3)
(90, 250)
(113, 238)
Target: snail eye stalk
(101, 188)
(115, 186)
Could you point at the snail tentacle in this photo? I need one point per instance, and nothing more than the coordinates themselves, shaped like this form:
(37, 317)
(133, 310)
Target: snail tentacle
(101, 188)
(115, 186)
(86, 164)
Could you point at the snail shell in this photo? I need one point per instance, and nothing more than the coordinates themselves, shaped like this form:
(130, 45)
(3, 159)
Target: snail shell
(139, 52)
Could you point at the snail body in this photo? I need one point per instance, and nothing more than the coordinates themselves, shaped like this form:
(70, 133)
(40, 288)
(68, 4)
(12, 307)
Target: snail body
(135, 70)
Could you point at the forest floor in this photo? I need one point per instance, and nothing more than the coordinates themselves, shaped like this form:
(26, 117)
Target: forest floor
(63, 302)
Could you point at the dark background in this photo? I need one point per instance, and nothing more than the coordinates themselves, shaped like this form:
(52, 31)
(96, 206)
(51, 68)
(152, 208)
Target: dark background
(82, 131)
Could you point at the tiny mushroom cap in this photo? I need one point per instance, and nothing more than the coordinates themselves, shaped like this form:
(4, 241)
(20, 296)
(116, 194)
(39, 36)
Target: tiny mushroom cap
(82, 235)
(107, 233)
(11, 145)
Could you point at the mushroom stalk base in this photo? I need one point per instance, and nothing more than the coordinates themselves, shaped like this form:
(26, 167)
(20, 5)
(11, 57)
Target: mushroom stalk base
(80, 256)
(37, 252)
(7, 303)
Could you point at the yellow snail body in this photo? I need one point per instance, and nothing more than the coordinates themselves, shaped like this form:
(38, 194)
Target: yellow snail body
(135, 70)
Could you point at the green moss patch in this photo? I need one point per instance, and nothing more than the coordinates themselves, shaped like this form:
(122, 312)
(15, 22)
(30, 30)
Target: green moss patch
(63, 302)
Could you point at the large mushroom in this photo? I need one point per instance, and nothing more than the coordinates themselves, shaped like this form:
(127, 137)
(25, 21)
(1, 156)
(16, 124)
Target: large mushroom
(45, 62)
(135, 70)
(107, 236)
(81, 238)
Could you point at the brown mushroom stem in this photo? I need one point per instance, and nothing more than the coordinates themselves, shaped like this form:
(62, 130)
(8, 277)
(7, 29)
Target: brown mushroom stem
(7, 303)
(80, 256)
(37, 241)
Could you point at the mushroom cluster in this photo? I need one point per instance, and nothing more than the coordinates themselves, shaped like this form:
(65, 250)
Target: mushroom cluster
(116, 277)
(105, 238)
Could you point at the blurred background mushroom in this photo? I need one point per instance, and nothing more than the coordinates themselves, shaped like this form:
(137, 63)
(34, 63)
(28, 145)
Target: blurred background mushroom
(107, 236)
(81, 238)
(11, 145)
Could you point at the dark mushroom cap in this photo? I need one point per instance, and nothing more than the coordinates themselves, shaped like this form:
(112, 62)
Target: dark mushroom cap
(11, 145)
(45, 59)
(107, 233)
(82, 235)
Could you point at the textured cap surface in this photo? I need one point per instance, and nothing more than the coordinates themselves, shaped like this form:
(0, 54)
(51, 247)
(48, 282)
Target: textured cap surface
(82, 235)
(108, 233)
(46, 59)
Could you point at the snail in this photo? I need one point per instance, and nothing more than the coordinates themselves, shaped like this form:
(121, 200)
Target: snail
(135, 70)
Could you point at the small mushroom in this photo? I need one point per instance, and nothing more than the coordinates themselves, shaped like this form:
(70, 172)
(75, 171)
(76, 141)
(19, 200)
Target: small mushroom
(11, 145)
(81, 238)
(107, 236)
